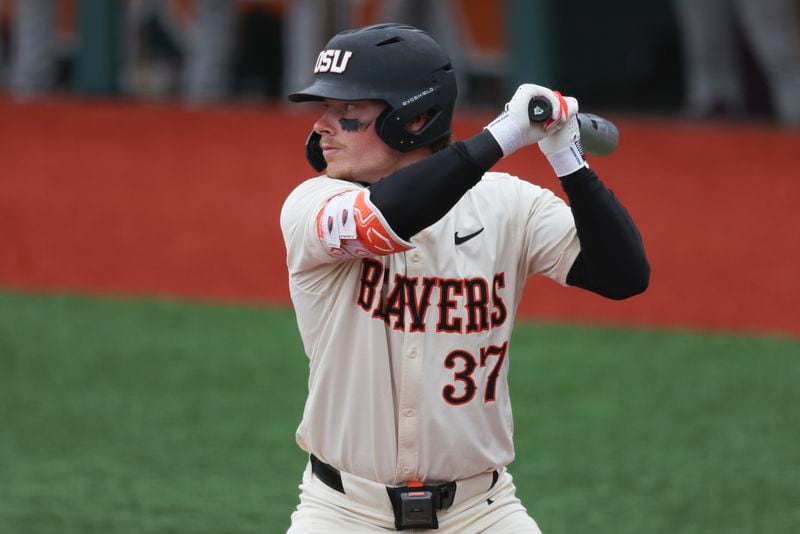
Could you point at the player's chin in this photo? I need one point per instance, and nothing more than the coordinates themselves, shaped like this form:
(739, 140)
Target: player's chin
(338, 171)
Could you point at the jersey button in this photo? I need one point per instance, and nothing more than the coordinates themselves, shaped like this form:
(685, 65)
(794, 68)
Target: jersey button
(406, 470)
(409, 413)
(412, 353)
(415, 257)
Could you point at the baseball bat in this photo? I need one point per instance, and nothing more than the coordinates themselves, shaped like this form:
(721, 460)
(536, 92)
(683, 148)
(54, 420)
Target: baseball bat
(599, 136)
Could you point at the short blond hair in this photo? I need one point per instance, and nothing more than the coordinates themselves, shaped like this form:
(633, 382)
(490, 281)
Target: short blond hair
(442, 143)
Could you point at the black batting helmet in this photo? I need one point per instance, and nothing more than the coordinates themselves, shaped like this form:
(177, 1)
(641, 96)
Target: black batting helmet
(398, 64)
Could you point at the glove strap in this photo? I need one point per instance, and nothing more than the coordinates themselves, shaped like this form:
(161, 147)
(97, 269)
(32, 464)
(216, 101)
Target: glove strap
(567, 160)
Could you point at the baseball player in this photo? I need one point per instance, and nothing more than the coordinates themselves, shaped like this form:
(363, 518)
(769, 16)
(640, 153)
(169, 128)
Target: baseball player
(407, 260)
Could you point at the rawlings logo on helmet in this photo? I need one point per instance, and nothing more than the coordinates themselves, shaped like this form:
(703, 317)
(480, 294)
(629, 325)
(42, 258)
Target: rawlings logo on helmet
(332, 61)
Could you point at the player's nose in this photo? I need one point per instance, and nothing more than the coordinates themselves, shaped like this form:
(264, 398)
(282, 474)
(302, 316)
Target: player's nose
(325, 124)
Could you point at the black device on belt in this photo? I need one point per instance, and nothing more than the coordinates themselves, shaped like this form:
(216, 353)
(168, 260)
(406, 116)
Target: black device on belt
(414, 505)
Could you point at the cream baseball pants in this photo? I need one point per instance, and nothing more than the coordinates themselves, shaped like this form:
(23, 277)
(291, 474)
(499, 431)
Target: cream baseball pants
(478, 507)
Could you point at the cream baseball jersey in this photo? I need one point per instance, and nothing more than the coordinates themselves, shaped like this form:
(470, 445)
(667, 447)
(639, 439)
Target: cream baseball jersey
(408, 342)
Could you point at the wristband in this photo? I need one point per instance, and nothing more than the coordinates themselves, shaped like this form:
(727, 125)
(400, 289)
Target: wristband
(567, 160)
(506, 133)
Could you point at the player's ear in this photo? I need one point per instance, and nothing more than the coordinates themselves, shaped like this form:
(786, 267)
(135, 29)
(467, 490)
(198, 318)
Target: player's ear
(416, 125)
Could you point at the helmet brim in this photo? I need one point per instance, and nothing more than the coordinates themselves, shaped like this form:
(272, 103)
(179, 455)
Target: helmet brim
(322, 89)
(305, 96)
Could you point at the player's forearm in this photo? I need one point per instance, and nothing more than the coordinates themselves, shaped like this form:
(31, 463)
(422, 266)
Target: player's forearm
(417, 196)
(612, 261)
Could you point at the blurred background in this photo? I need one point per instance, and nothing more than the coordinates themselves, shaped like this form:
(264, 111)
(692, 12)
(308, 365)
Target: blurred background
(718, 58)
(151, 374)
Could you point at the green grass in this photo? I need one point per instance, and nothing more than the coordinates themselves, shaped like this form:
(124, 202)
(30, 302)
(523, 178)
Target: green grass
(167, 417)
(622, 431)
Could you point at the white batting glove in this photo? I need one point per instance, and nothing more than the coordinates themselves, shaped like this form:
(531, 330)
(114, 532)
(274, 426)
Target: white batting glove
(513, 128)
(563, 147)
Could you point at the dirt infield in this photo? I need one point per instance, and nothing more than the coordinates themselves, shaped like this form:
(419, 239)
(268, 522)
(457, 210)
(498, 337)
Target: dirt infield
(139, 199)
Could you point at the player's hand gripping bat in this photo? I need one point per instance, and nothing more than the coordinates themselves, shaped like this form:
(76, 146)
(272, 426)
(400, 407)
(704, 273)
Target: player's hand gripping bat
(599, 136)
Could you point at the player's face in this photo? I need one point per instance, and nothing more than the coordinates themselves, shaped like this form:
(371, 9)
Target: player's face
(349, 143)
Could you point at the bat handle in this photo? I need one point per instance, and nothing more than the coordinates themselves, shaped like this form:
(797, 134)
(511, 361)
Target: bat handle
(539, 110)
(599, 136)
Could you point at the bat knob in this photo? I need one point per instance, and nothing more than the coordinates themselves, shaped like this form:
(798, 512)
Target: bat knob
(539, 110)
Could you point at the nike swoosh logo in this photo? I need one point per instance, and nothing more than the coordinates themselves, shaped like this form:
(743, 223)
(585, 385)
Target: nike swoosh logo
(466, 238)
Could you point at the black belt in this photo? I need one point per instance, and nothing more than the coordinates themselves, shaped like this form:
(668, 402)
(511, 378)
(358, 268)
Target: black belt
(329, 475)
(414, 506)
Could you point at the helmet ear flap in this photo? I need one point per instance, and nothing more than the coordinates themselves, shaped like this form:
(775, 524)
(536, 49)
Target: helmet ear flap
(391, 127)
(314, 152)
(381, 126)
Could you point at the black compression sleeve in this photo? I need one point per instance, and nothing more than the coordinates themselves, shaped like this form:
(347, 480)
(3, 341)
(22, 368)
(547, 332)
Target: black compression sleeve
(417, 196)
(612, 261)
